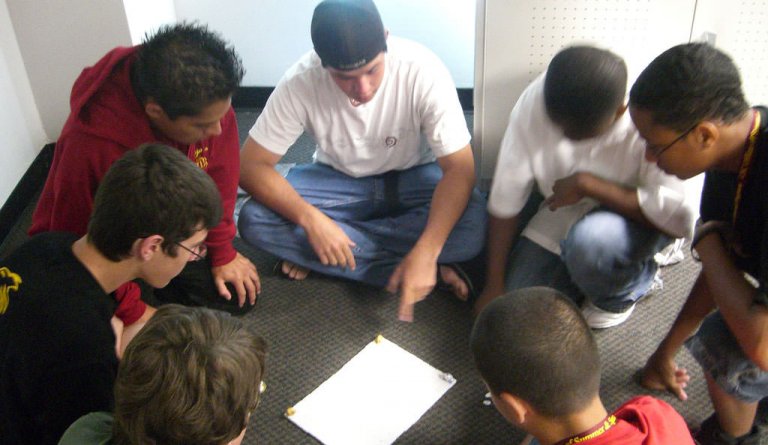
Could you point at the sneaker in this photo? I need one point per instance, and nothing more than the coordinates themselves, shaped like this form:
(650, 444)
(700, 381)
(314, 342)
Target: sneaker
(658, 283)
(672, 254)
(600, 319)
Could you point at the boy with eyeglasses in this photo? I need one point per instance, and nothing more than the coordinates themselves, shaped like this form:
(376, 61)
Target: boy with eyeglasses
(60, 340)
(174, 88)
(690, 102)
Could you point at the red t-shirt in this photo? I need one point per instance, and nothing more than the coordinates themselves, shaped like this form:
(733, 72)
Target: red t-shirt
(642, 420)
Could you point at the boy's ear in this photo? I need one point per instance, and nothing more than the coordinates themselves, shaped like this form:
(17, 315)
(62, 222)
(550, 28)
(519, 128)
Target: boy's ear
(146, 248)
(154, 110)
(707, 133)
(516, 408)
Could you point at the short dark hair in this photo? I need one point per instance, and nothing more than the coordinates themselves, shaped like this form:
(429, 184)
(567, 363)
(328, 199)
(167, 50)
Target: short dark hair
(185, 68)
(191, 376)
(584, 86)
(687, 84)
(151, 190)
(533, 343)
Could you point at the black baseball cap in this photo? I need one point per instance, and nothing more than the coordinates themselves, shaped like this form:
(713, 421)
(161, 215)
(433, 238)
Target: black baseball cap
(347, 34)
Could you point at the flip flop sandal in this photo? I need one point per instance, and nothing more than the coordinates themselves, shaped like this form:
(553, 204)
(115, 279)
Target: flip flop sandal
(277, 269)
(442, 285)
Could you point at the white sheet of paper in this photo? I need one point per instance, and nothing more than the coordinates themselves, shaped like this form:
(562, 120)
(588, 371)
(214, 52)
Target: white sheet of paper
(373, 399)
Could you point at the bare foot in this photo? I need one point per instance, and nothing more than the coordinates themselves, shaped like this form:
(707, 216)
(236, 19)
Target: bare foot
(661, 373)
(455, 282)
(294, 271)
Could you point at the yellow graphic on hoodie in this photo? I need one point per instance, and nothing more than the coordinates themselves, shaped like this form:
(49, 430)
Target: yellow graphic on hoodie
(9, 281)
(200, 157)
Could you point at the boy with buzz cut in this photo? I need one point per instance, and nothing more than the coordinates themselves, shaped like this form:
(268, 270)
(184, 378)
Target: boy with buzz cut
(689, 106)
(607, 211)
(540, 362)
(191, 376)
(58, 347)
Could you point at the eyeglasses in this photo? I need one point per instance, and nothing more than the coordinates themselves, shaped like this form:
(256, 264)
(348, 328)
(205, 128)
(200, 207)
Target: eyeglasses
(657, 151)
(198, 252)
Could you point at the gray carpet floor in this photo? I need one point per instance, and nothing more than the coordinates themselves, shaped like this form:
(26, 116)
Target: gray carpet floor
(314, 327)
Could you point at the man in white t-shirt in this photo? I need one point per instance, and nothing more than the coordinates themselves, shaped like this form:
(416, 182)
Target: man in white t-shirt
(377, 205)
(607, 211)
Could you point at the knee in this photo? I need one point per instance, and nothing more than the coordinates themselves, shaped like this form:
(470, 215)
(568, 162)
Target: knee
(475, 223)
(253, 219)
(599, 238)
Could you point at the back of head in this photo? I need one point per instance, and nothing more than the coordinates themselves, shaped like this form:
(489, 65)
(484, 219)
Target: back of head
(584, 88)
(347, 34)
(534, 344)
(152, 190)
(185, 68)
(687, 84)
(190, 377)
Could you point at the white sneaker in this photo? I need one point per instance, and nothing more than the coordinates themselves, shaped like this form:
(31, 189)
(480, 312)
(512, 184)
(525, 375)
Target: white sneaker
(672, 254)
(600, 319)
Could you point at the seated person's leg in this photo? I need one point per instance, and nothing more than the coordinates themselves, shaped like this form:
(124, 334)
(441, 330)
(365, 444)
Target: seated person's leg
(532, 265)
(194, 286)
(735, 383)
(416, 186)
(408, 199)
(345, 200)
(610, 259)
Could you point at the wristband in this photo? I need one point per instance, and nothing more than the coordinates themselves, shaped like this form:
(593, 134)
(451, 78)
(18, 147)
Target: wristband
(702, 230)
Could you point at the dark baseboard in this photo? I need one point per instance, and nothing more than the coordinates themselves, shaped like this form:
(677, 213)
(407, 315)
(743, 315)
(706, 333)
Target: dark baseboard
(251, 97)
(25, 190)
(256, 97)
(466, 97)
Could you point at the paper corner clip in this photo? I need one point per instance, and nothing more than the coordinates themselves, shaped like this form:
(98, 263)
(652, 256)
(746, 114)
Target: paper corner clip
(379, 338)
(446, 376)
(290, 411)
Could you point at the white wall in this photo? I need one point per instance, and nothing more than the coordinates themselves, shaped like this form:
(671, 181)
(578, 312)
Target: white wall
(57, 40)
(270, 35)
(148, 15)
(516, 41)
(739, 30)
(20, 124)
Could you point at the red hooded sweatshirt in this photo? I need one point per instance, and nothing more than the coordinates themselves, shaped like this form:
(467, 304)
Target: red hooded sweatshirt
(106, 120)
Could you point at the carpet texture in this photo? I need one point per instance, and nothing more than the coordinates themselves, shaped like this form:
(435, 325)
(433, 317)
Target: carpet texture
(314, 327)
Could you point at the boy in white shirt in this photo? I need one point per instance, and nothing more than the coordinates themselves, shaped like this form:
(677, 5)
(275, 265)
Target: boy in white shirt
(376, 205)
(607, 211)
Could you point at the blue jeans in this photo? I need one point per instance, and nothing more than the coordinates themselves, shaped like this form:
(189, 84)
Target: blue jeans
(605, 257)
(720, 355)
(384, 215)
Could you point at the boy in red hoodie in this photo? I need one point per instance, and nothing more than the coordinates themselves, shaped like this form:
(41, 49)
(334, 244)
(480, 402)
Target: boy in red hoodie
(175, 89)
(540, 361)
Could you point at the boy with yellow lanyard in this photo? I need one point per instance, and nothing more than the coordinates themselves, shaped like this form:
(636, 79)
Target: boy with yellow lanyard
(689, 106)
(540, 362)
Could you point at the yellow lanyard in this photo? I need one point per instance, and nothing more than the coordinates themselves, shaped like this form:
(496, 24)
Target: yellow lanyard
(746, 161)
(597, 431)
